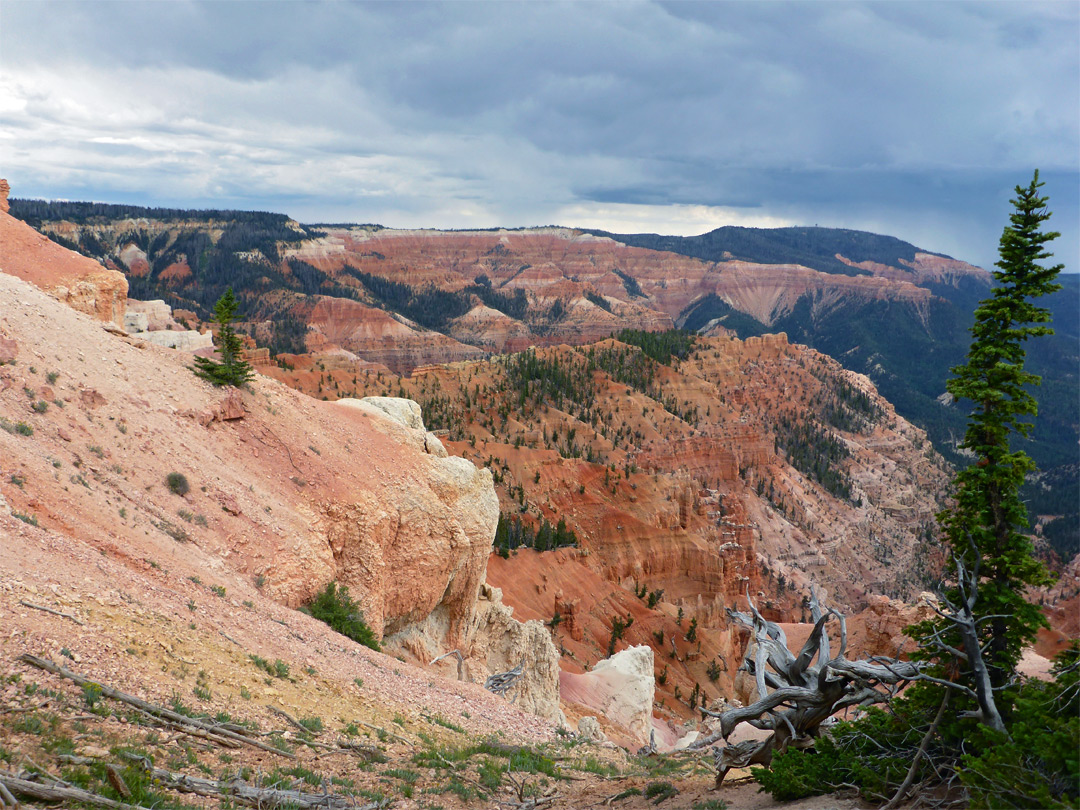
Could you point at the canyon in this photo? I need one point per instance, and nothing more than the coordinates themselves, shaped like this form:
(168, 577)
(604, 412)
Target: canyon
(387, 456)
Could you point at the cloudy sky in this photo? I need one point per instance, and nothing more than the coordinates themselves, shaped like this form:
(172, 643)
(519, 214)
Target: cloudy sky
(911, 118)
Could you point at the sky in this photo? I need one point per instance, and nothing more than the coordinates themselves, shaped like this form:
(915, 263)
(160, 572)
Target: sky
(913, 119)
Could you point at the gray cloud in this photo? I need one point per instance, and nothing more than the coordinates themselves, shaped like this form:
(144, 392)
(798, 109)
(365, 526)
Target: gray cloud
(912, 118)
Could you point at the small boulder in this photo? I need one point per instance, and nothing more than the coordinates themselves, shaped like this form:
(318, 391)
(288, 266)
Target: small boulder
(90, 398)
(434, 447)
(684, 741)
(231, 406)
(227, 503)
(9, 350)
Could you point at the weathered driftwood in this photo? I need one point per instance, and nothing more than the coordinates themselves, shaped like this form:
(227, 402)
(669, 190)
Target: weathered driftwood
(380, 729)
(289, 719)
(500, 682)
(222, 731)
(460, 662)
(960, 616)
(795, 695)
(240, 792)
(60, 613)
(58, 793)
(6, 799)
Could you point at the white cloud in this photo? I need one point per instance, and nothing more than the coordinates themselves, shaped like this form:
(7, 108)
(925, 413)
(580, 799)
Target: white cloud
(672, 220)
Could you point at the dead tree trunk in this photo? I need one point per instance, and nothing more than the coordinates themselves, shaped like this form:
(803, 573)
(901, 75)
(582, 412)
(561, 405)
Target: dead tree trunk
(794, 694)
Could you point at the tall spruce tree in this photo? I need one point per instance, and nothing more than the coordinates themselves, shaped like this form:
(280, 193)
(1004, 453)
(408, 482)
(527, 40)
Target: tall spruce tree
(233, 369)
(986, 527)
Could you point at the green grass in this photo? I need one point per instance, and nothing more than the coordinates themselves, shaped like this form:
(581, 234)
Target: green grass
(140, 784)
(521, 760)
(490, 773)
(442, 721)
(660, 791)
(404, 774)
(465, 792)
(20, 428)
(277, 669)
(305, 775)
(593, 765)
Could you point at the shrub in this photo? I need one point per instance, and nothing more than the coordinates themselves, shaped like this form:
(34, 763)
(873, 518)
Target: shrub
(31, 519)
(177, 483)
(713, 671)
(337, 609)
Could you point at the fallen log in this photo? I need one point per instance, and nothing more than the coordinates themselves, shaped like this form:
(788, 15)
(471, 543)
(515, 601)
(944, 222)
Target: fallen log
(59, 793)
(219, 730)
(240, 792)
(290, 719)
(6, 799)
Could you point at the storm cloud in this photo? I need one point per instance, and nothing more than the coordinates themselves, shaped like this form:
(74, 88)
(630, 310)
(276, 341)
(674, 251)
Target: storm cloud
(913, 119)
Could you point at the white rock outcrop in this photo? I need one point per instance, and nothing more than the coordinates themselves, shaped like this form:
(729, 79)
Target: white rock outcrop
(621, 688)
(400, 418)
(186, 341)
(153, 322)
(589, 728)
(405, 411)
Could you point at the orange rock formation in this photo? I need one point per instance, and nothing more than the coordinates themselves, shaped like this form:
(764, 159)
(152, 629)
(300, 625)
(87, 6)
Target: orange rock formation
(76, 280)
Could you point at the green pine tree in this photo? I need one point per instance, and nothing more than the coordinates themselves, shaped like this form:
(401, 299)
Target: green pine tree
(987, 526)
(233, 369)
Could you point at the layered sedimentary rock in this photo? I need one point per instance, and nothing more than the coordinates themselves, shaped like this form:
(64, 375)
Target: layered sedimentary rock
(489, 329)
(644, 288)
(924, 268)
(376, 336)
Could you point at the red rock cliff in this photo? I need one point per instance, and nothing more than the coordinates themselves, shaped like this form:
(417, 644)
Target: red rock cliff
(79, 282)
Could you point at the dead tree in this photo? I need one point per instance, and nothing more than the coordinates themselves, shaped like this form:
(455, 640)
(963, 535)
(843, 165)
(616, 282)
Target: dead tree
(795, 695)
(500, 682)
(960, 618)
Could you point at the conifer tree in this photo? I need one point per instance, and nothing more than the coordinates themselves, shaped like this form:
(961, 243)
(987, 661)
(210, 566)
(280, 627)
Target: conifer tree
(233, 369)
(986, 526)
